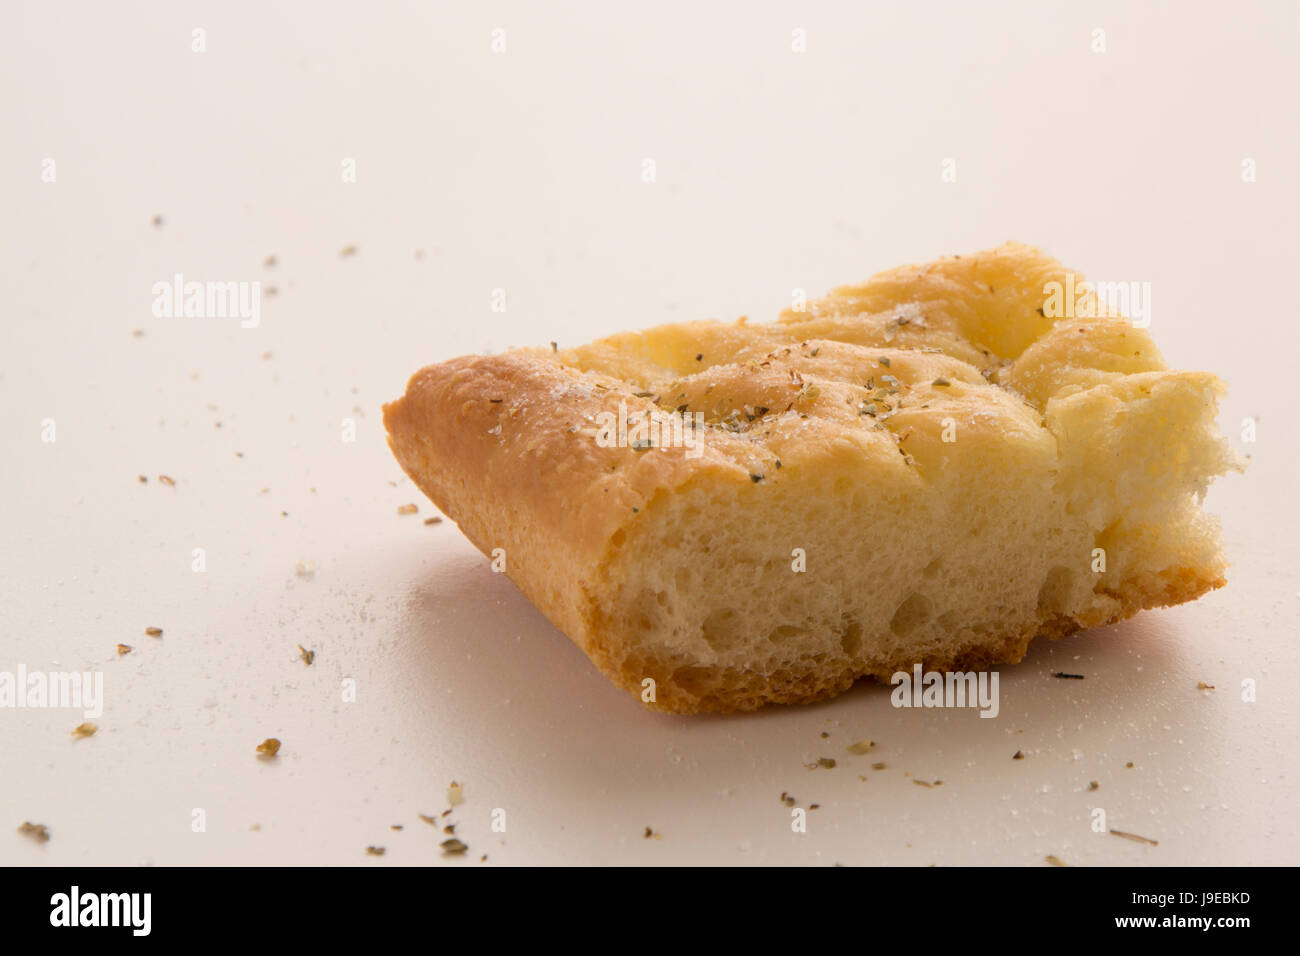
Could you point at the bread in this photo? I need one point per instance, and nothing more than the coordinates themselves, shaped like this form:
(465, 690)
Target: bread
(924, 468)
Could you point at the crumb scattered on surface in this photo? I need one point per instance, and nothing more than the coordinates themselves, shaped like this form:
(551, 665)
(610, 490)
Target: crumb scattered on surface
(376, 850)
(268, 747)
(1201, 685)
(1134, 837)
(455, 794)
(408, 509)
(154, 631)
(307, 656)
(167, 480)
(1055, 860)
(1093, 785)
(124, 649)
(453, 847)
(157, 221)
(826, 762)
(877, 766)
(788, 800)
(37, 831)
(861, 747)
(432, 821)
(347, 251)
(269, 262)
(85, 730)
(1018, 755)
(305, 569)
(1129, 765)
(434, 520)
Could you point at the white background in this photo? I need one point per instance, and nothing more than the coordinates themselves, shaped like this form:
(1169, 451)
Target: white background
(522, 171)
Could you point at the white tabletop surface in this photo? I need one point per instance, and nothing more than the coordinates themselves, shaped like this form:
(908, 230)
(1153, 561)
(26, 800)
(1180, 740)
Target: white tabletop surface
(522, 170)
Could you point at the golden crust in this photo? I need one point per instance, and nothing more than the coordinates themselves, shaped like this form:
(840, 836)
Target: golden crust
(504, 445)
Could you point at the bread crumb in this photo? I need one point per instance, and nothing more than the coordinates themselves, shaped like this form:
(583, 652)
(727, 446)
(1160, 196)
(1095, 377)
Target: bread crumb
(307, 656)
(408, 509)
(167, 480)
(861, 747)
(85, 730)
(1055, 860)
(376, 850)
(347, 251)
(124, 649)
(268, 747)
(434, 520)
(455, 794)
(306, 569)
(37, 831)
(453, 847)
(154, 631)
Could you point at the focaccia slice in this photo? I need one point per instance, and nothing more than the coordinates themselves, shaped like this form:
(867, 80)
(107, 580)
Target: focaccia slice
(930, 467)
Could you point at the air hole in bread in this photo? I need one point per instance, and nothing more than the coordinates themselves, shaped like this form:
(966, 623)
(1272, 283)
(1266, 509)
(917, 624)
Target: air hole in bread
(915, 611)
(1054, 595)
(694, 680)
(783, 633)
(851, 639)
(719, 630)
